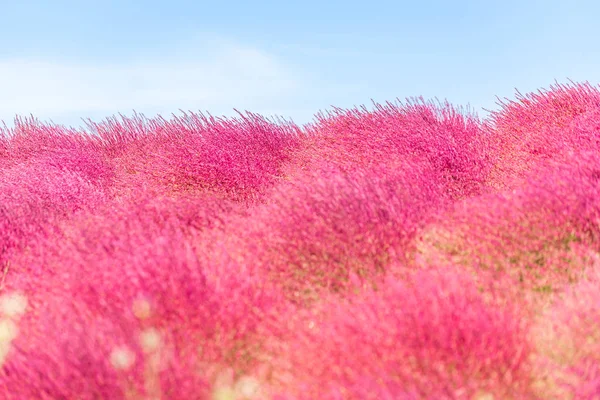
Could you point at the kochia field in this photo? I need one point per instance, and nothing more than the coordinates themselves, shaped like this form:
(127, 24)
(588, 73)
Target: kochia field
(408, 251)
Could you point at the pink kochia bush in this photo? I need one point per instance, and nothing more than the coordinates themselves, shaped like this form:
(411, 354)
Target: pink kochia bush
(540, 127)
(130, 273)
(410, 251)
(574, 320)
(450, 141)
(432, 336)
(235, 158)
(46, 174)
(541, 235)
(328, 224)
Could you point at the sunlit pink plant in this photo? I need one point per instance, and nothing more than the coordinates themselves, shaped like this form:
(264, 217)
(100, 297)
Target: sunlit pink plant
(449, 139)
(539, 127)
(235, 158)
(433, 336)
(328, 223)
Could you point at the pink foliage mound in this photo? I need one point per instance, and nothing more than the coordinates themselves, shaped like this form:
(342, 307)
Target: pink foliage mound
(235, 158)
(46, 173)
(570, 338)
(452, 142)
(434, 336)
(541, 235)
(328, 224)
(541, 127)
(126, 275)
(411, 251)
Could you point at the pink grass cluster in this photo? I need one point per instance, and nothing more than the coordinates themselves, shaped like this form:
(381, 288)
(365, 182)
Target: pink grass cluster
(537, 128)
(450, 141)
(408, 251)
(434, 335)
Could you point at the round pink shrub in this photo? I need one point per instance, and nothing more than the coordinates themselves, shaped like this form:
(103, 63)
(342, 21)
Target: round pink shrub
(236, 158)
(540, 127)
(325, 224)
(57, 147)
(34, 195)
(65, 349)
(540, 235)
(451, 141)
(47, 172)
(433, 336)
(112, 274)
(569, 336)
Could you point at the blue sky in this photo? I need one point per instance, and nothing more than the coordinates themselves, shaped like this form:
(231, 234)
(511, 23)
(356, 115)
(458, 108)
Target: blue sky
(64, 60)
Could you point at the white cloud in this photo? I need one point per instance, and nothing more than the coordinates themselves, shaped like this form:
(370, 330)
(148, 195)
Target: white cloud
(223, 77)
